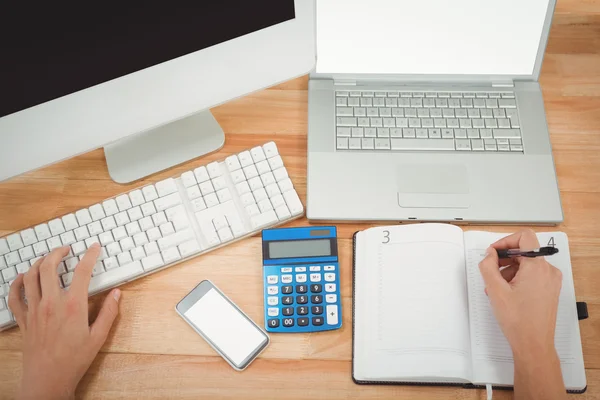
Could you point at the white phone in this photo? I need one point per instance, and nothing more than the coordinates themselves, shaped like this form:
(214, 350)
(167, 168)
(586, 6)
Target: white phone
(223, 325)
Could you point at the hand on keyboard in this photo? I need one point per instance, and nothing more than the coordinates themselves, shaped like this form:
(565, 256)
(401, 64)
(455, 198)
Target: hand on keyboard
(58, 343)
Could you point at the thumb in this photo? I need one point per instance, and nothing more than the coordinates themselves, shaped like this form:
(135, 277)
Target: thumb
(106, 317)
(490, 271)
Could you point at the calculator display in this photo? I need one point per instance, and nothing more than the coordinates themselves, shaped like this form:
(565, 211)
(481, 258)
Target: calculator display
(300, 248)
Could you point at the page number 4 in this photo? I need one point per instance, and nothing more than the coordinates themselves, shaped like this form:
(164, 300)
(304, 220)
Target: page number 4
(386, 237)
(551, 242)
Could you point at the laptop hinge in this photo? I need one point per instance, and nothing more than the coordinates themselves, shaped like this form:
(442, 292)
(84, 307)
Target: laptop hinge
(345, 82)
(503, 84)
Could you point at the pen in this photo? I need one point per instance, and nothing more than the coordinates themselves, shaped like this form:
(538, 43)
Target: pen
(542, 251)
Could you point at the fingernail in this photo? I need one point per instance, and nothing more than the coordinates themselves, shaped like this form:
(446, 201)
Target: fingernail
(117, 294)
(489, 251)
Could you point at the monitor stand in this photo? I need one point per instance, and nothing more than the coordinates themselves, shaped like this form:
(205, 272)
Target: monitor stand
(149, 152)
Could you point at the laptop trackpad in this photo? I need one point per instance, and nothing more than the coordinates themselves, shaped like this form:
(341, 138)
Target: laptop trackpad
(433, 186)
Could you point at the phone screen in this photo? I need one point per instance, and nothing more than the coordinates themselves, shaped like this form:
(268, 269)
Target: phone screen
(223, 325)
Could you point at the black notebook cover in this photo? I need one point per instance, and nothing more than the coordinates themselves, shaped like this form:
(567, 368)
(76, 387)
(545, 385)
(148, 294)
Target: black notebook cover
(361, 382)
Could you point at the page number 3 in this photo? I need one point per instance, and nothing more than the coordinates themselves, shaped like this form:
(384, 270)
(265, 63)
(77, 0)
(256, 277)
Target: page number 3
(386, 237)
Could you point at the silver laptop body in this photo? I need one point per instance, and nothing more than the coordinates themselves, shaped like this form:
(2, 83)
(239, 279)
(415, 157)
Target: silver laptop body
(370, 158)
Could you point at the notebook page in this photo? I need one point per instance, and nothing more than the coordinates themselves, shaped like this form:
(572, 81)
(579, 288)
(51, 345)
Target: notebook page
(411, 318)
(492, 356)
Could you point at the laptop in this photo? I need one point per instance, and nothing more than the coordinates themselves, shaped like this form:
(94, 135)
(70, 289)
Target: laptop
(430, 110)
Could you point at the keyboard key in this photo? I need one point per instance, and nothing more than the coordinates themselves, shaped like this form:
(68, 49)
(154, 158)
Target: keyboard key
(317, 310)
(67, 238)
(233, 163)
(201, 175)
(332, 314)
(163, 203)
(273, 300)
(301, 289)
(122, 218)
(78, 248)
(506, 133)
(288, 322)
(302, 321)
(273, 322)
(330, 287)
(316, 299)
(272, 290)
(329, 277)
(152, 262)
(302, 299)
(71, 263)
(118, 275)
(4, 249)
(302, 310)
(301, 278)
(331, 298)
(317, 321)
(135, 213)
(171, 255)
(214, 170)
(272, 312)
(507, 103)
(245, 158)
(108, 223)
(26, 253)
(422, 144)
(250, 171)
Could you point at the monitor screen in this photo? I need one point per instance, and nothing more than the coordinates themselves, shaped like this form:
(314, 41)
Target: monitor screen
(63, 48)
(418, 37)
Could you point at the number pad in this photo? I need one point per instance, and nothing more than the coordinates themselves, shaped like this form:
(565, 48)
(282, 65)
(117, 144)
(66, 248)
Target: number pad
(298, 298)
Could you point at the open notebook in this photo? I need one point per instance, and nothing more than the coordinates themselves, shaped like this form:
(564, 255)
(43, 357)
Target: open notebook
(421, 314)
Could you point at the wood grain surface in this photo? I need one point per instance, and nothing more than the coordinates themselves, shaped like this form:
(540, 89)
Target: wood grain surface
(152, 354)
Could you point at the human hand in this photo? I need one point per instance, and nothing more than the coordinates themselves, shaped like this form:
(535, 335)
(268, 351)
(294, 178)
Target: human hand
(59, 344)
(523, 295)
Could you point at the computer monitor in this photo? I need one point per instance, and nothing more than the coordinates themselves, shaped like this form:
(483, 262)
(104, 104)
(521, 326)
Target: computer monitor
(137, 79)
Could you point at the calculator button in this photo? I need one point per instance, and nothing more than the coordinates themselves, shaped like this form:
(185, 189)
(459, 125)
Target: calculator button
(315, 277)
(285, 270)
(332, 315)
(316, 299)
(302, 310)
(287, 300)
(302, 299)
(271, 290)
(316, 288)
(331, 298)
(330, 277)
(287, 311)
(317, 321)
(288, 322)
(301, 288)
(287, 289)
(272, 301)
(330, 287)
(317, 310)
(286, 279)
(300, 269)
(315, 268)
(329, 268)
(301, 278)
(272, 279)
(302, 321)
(273, 323)
(273, 312)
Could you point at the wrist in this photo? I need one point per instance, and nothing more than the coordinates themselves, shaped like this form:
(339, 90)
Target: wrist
(45, 389)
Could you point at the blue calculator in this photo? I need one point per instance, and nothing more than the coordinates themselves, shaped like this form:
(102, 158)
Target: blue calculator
(301, 279)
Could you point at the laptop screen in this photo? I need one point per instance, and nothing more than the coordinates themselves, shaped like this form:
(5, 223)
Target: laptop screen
(478, 37)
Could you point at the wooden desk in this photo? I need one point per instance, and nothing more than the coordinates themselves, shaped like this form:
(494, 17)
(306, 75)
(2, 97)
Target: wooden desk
(152, 353)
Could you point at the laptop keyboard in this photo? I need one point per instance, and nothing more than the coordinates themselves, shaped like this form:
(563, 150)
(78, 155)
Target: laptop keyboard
(428, 121)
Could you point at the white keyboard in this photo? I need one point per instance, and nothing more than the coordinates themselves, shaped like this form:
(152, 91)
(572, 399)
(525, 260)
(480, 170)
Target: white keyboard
(160, 225)
(428, 121)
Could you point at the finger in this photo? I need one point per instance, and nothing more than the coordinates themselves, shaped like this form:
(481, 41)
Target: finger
(509, 272)
(33, 291)
(49, 271)
(490, 271)
(106, 317)
(83, 271)
(16, 303)
(524, 240)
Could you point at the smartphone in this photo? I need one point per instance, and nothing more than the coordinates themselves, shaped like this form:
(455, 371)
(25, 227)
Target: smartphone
(223, 325)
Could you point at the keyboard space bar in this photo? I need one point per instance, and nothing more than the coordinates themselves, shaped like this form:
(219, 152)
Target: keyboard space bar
(114, 276)
(422, 144)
